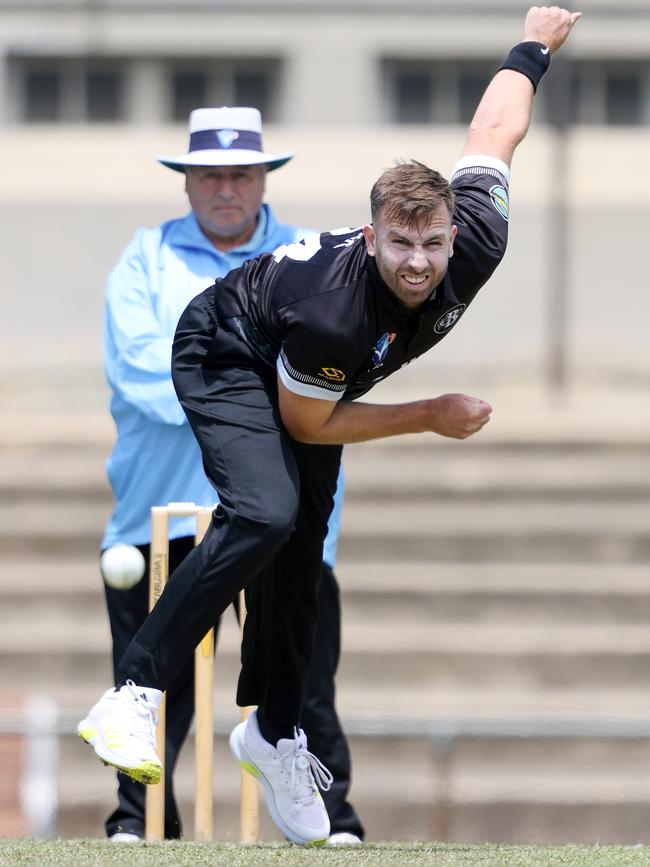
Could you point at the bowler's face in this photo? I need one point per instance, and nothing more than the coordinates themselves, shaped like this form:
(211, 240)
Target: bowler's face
(412, 261)
(226, 201)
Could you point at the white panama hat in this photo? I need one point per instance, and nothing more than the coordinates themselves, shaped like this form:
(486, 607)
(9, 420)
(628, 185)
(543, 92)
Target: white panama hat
(225, 137)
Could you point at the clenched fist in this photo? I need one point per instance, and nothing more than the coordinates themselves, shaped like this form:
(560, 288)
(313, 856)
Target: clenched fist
(550, 25)
(455, 415)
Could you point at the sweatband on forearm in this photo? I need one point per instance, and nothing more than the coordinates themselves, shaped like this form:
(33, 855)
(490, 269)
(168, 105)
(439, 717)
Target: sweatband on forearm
(532, 59)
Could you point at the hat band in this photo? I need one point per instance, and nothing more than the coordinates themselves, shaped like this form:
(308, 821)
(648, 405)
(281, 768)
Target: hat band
(225, 139)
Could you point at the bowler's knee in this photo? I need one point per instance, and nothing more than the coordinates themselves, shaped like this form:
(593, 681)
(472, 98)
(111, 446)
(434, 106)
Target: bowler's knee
(277, 525)
(269, 526)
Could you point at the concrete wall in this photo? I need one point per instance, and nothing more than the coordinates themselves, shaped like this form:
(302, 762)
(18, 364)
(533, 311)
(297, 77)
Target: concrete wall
(330, 49)
(70, 198)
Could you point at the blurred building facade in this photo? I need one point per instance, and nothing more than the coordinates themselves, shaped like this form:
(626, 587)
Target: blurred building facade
(301, 61)
(92, 90)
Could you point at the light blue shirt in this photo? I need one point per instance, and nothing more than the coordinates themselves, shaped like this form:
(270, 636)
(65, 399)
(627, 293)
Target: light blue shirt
(156, 459)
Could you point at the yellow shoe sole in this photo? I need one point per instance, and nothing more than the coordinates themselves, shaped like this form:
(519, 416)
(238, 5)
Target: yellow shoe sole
(148, 773)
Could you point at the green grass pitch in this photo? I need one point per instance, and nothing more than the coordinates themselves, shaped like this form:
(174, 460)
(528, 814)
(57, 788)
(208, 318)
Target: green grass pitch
(95, 853)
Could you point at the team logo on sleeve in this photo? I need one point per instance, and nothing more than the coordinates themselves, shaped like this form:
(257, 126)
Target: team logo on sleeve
(499, 196)
(332, 373)
(381, 348)
(449, 319)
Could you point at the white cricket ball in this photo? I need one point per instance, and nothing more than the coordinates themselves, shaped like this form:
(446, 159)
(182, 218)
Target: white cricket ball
(122, 566)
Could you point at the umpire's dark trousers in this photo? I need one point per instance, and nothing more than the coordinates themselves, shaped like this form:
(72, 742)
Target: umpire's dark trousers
(275, 499)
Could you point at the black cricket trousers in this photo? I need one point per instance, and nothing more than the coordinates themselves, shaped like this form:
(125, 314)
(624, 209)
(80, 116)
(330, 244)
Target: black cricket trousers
(275, 498)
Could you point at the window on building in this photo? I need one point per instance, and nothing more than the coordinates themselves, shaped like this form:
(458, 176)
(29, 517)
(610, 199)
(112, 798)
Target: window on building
(411, 92)
(224, 82)
(42, 94)
(189, 90)
(436, 91)
(611, 92)
(253, 88)
(431, 91)
(472, 82)
(103, 94)
(623, 98)
(67, 89)
(85, 89)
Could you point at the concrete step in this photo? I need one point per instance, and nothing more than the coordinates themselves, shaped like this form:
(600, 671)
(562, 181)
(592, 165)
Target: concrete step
(501, 592)
(580, 515)
(80, 575)
(56, 415)
(482, 656)
(67, 402)
(402, 470)
(576, 531)
(475, 663)
(599, 822)
(517, 531)
(67, 471)
(425, 788)
(376, 636)
(377, 471)
(380, 708)
(497, 592)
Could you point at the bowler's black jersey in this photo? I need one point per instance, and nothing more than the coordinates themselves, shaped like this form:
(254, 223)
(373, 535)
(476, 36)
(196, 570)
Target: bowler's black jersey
(320, 313)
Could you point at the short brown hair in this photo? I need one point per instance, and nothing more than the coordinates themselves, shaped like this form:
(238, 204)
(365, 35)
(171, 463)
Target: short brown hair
(408, 193)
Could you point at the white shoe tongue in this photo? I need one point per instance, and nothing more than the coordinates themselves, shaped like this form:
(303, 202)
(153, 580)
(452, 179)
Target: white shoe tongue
(288, 745)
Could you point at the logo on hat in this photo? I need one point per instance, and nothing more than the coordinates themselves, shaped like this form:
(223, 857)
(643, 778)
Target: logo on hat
(227, 137)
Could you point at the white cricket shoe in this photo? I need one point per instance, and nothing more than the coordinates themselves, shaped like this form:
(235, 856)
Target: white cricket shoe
(121, 728)
(289, 774)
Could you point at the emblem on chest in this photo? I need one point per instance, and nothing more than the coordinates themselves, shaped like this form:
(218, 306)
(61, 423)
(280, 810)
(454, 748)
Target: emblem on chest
(380, 350)
(449, 319)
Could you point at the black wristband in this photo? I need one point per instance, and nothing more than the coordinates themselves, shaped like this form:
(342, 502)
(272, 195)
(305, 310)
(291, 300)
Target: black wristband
(532, 59)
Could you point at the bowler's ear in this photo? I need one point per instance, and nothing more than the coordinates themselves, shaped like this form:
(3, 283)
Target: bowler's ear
(452, 236)
(370, 238)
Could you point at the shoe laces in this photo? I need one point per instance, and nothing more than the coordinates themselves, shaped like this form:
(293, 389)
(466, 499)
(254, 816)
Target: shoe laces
(306, 772)
(147, 717)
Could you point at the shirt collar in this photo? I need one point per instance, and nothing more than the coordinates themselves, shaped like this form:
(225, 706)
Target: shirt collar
(257, 238)
(190, 234)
